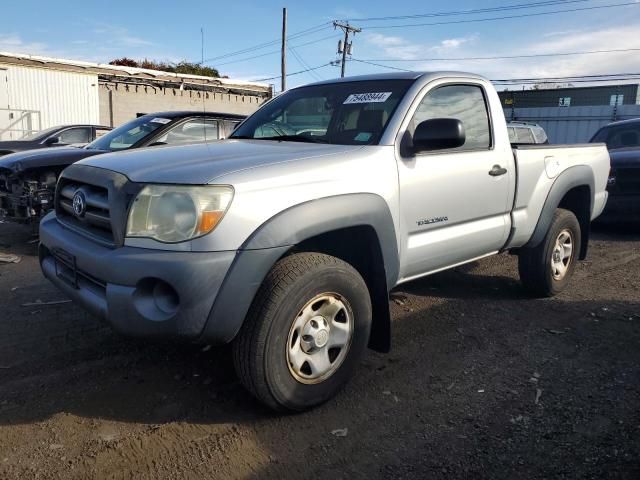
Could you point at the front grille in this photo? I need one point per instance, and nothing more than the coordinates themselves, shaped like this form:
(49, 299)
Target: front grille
(107, 196)
(96, 220)
(627, 180)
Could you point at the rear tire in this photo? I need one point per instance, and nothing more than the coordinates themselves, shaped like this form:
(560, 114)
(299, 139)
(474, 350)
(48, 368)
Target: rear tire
(546, 270)
(305, 332)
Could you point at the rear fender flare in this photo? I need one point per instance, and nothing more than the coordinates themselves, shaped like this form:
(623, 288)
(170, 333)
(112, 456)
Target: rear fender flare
(578, 176)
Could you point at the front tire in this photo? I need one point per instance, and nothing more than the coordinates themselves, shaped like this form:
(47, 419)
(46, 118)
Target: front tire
(546, 270)
(305, 332)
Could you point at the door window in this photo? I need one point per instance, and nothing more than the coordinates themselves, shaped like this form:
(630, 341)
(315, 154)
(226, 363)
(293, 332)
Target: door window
(75, 135)
(463, 102)
(524, 135)
(622, 136)
(197, 130)
(101, 131)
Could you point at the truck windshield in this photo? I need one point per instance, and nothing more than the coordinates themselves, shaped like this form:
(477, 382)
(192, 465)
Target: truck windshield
(349, 113)
(129, 134)
(619, 136)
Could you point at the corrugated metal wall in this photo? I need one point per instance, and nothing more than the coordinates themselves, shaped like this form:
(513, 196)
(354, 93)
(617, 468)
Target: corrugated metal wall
(572, 124)
(60, 97)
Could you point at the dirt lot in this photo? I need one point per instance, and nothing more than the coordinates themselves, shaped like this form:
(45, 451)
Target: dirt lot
(482, 382)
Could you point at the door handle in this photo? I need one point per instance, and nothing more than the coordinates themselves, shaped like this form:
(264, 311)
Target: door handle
(497, 170)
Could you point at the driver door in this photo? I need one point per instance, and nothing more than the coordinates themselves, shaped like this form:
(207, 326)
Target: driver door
(452, 209)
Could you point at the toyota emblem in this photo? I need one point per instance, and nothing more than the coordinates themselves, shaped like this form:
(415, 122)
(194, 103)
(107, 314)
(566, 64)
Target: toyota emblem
(79, 204)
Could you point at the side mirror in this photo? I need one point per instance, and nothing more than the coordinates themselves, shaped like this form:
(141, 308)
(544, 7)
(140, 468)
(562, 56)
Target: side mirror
(52, 140)
(438, 134)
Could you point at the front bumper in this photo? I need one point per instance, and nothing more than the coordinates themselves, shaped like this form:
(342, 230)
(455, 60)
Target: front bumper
(140, 292)
(621, 208)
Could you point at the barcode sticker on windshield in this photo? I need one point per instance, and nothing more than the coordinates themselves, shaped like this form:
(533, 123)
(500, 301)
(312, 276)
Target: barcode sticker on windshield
(373, 97)
(163, 121)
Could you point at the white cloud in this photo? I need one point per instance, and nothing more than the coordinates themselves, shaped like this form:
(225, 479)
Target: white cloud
(400, 48)
(120, 36)
(15, 44)
(620, 37)
(393, 46)
(453, 42)
(561, 33)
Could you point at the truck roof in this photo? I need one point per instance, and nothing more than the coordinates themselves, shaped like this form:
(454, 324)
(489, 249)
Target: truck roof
(400, 76)
(622, 122)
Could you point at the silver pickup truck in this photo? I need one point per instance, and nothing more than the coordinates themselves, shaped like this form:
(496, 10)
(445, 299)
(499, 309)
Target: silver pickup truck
(286, 238)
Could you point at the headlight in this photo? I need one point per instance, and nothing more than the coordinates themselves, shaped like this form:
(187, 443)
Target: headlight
(172, 213)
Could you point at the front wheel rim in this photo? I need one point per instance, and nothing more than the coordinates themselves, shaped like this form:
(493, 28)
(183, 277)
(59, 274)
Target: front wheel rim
(319, 338)
(562, 254)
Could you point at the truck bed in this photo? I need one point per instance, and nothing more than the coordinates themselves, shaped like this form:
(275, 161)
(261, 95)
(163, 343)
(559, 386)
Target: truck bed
(538, 167)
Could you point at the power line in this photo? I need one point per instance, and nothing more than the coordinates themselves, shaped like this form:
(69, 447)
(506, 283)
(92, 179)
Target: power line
(506, 17)
(570, 77)
(276, 51)
(574, 79)
(380, 65)
(517, 6)
(294, 73)
(506, 57)
(304, 64)
(260, 46)
(522, 81)
(308, 31)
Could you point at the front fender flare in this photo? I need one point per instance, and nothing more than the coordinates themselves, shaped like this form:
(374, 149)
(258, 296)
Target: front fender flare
(275, 237)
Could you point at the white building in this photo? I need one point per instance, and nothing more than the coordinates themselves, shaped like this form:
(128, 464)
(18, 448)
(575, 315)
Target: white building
(40, 92)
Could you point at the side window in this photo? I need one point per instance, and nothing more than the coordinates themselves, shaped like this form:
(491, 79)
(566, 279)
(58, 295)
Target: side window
(197, 130)
(624, 137)
(101, 131)
(75, 135)
(463, 102)
(524, 135)
(512, 135)
(539, 135)
(229, 127)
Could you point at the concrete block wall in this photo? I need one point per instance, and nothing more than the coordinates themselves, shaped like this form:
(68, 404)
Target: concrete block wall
(120, 103)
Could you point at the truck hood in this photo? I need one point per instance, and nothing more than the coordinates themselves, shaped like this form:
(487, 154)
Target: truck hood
(200, 164)
(45, 157)
(625, 157)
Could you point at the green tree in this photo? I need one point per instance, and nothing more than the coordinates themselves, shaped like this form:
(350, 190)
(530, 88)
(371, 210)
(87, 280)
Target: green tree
(188, 68)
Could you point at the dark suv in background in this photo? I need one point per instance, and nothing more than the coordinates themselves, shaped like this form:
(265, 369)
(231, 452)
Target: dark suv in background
(623, 141)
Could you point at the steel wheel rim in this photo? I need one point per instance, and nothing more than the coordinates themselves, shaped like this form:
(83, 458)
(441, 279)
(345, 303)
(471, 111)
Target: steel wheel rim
(319, 338)
(562, 254)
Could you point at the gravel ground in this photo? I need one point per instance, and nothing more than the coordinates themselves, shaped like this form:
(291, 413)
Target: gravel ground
(482, 382)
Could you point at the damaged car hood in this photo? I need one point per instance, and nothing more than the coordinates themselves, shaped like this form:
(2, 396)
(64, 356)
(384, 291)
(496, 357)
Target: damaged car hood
(45, 157)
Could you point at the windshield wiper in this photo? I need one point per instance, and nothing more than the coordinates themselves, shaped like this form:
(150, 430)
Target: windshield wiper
(282, 138)
(295, 138)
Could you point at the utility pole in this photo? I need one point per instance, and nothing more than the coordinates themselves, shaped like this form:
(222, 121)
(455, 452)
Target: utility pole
(346, 46)
(283, 53)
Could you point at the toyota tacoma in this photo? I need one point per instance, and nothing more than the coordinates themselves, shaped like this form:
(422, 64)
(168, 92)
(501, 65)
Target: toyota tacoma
(286, 238)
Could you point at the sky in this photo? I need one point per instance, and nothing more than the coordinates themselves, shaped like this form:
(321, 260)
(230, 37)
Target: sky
(170, 31)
